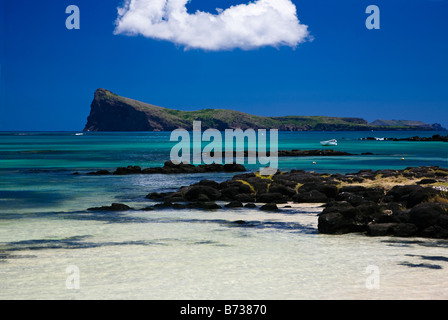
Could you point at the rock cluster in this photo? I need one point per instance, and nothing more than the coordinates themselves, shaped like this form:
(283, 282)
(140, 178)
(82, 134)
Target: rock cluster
(169, 167)
(404, 203)
(307, 153)
(354, 202)
(436, 137)
(404, 211)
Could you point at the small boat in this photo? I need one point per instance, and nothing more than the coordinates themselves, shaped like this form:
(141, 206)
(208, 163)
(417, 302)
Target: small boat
(332, 142)
(380, 139)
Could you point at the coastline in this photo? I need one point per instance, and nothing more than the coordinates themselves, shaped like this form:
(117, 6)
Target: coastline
(404, 203)
(229, 252)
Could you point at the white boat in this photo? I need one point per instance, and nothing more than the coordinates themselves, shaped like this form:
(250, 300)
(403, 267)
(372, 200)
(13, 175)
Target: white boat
(380, 139)
(332, 142)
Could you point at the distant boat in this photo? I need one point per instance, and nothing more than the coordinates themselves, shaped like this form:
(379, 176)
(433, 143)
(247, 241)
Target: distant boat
(332, 142)
(380, 139)
(79, 134)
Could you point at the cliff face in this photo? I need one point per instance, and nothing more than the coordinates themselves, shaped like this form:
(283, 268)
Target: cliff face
(110, 112)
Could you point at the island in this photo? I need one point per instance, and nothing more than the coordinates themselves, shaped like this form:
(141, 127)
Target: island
(111, 112)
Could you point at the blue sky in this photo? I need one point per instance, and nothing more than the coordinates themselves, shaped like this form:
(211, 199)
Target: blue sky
(49, 73)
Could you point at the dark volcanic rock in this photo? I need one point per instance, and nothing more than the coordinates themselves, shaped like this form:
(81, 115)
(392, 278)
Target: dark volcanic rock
(269, 207)
(435, 231)
(312, 196)
(329, 190)
(342, 217)
(113, 207)
(381, 229)
(208, 183)
(436, 137)
(99, 173)
(271, 198)
(308, 153)
(202, 193)
(209, 205)
(404, 211)
(350, 197)
(156, 196)
(205, 205)
(234, 204)
(245, 197)
(405, 230)
(170, 168)
(128, 170)
(392, 229)
(425, 219)
(356, 195)
(401, 193)
(426, 214)
(337, 221)
(283, 190)
(418, 196)
(427, 181)
(411, 195)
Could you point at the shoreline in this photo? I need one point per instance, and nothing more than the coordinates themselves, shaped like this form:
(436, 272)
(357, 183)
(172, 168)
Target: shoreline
(404, 203)
(433, 138)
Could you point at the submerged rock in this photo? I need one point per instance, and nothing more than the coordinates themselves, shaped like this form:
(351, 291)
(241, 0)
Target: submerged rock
(269, 207)
(128, 170)
(392, 229)
(113, 207)
(250, 205)
(99, 173)
(170, 168)
(234, 204)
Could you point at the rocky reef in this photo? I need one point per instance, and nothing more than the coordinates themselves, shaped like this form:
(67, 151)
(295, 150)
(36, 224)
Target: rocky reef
(436, 137)
(404, 203)
(170, 168)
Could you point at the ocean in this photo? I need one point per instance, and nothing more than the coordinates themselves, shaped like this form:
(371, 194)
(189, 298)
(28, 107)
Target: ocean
(52, 247)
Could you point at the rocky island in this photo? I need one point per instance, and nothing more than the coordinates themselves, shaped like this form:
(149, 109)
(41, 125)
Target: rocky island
(111, 112)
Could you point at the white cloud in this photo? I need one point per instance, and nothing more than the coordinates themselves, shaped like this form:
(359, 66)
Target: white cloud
(246, 26)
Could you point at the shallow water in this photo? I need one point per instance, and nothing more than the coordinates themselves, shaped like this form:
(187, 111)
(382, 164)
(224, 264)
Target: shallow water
(193, 254)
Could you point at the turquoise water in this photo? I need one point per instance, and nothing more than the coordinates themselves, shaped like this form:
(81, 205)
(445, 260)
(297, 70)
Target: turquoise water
(183, 254)
(86, 151)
